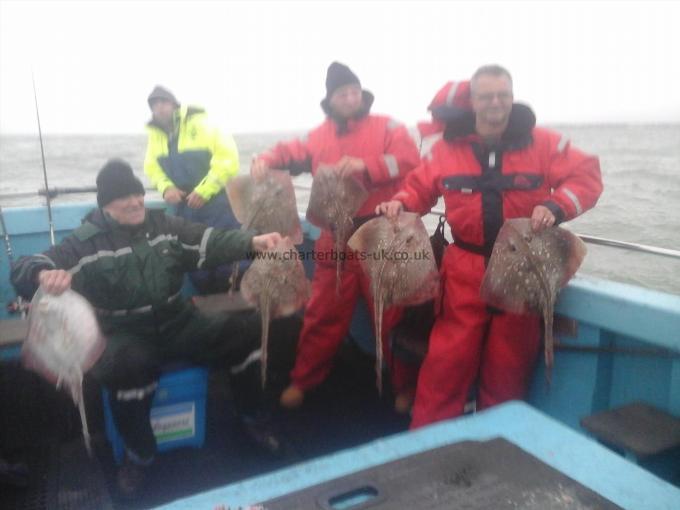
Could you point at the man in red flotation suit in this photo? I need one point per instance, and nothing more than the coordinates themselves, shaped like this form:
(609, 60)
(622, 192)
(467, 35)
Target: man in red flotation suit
(491, 165)
(379, 152)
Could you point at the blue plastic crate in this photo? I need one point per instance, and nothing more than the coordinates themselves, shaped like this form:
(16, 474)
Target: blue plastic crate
(177, 412)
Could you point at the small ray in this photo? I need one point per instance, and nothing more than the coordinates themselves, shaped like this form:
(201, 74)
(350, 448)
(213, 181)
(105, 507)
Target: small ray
(400, 264)
(265, 205)
(551, 258)
(276, 284)
(63, 342)
(333, 202)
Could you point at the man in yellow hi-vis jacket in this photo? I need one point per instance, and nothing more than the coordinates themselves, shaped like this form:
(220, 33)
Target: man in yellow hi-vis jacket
(190, 161)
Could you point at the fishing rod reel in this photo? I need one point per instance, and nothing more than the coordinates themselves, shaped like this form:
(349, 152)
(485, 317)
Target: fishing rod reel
(19, 305)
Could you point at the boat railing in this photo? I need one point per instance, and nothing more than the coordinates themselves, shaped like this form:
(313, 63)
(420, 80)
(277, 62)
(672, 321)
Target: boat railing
(602, 241)
(644, 248)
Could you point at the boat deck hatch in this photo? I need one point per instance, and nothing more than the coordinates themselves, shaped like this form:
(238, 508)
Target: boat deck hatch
(492, 474)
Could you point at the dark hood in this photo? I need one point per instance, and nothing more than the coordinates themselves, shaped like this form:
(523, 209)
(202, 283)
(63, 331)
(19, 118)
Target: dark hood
(517, 134)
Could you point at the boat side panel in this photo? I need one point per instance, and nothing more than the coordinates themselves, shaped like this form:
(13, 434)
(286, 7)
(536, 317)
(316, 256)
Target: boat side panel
(627, 348)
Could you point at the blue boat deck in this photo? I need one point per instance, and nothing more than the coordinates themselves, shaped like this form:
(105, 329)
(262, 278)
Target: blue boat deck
(580, 458)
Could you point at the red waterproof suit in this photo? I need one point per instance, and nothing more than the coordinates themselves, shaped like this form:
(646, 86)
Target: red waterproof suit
(389, 154)
(482, 187)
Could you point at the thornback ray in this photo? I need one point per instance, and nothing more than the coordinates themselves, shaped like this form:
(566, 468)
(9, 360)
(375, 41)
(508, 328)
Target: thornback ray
(265, 205)
(333, 202)
(276, 284)
(397, 257)
(63, 342)
(527, 269)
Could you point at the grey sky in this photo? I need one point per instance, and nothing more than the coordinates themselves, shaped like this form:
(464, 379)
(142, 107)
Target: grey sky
(260, 66)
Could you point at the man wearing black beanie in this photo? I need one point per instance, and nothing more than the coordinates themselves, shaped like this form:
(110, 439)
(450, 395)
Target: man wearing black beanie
(116, 180)
(129, 262)
(379, 152)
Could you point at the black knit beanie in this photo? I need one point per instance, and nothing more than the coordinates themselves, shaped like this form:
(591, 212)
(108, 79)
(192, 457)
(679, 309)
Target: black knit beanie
(339, 75)
(116, 180)
(160, 92)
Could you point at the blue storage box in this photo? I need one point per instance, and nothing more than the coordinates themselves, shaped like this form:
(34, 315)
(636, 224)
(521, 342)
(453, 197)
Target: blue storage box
(177, 412)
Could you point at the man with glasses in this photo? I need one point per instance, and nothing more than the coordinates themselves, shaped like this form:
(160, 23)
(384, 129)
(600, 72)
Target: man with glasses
(493, 164)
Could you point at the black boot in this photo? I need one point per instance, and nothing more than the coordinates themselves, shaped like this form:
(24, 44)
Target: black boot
(131, 479)
(13, 474)
(263, 434)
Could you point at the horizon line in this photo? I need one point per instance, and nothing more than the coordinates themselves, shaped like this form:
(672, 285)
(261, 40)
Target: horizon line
(293, 130)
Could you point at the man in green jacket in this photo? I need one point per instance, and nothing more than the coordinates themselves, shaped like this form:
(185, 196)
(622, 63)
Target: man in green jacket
(189, 161)
(129, 262)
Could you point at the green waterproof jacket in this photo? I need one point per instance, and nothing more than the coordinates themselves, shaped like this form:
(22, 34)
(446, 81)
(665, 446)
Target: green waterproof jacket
(199, 158)
(132, 275)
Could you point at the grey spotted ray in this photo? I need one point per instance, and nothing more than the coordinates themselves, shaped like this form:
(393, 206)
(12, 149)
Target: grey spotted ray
(64, 341)
(333, 202)
(527, 269)
(397, 257)
(265, 205)
(276, 284)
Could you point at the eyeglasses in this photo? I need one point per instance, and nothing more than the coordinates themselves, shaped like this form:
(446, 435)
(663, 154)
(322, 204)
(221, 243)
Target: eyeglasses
(488, 98)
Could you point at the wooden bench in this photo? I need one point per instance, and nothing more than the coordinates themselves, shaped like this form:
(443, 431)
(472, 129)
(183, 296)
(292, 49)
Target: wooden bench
(638, 429)
(643, 434)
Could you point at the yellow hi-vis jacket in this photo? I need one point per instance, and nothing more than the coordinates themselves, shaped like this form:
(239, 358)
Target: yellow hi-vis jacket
(199, 158)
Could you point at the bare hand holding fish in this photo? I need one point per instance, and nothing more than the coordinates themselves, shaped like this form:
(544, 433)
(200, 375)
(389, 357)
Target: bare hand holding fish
(55, 281)
(265, 242)
(349, 166)
(541, 218)
(390, 209)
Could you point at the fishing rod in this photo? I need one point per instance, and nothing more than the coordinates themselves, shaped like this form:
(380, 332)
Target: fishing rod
(56, 191)
(42, 154)
(52, 192)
